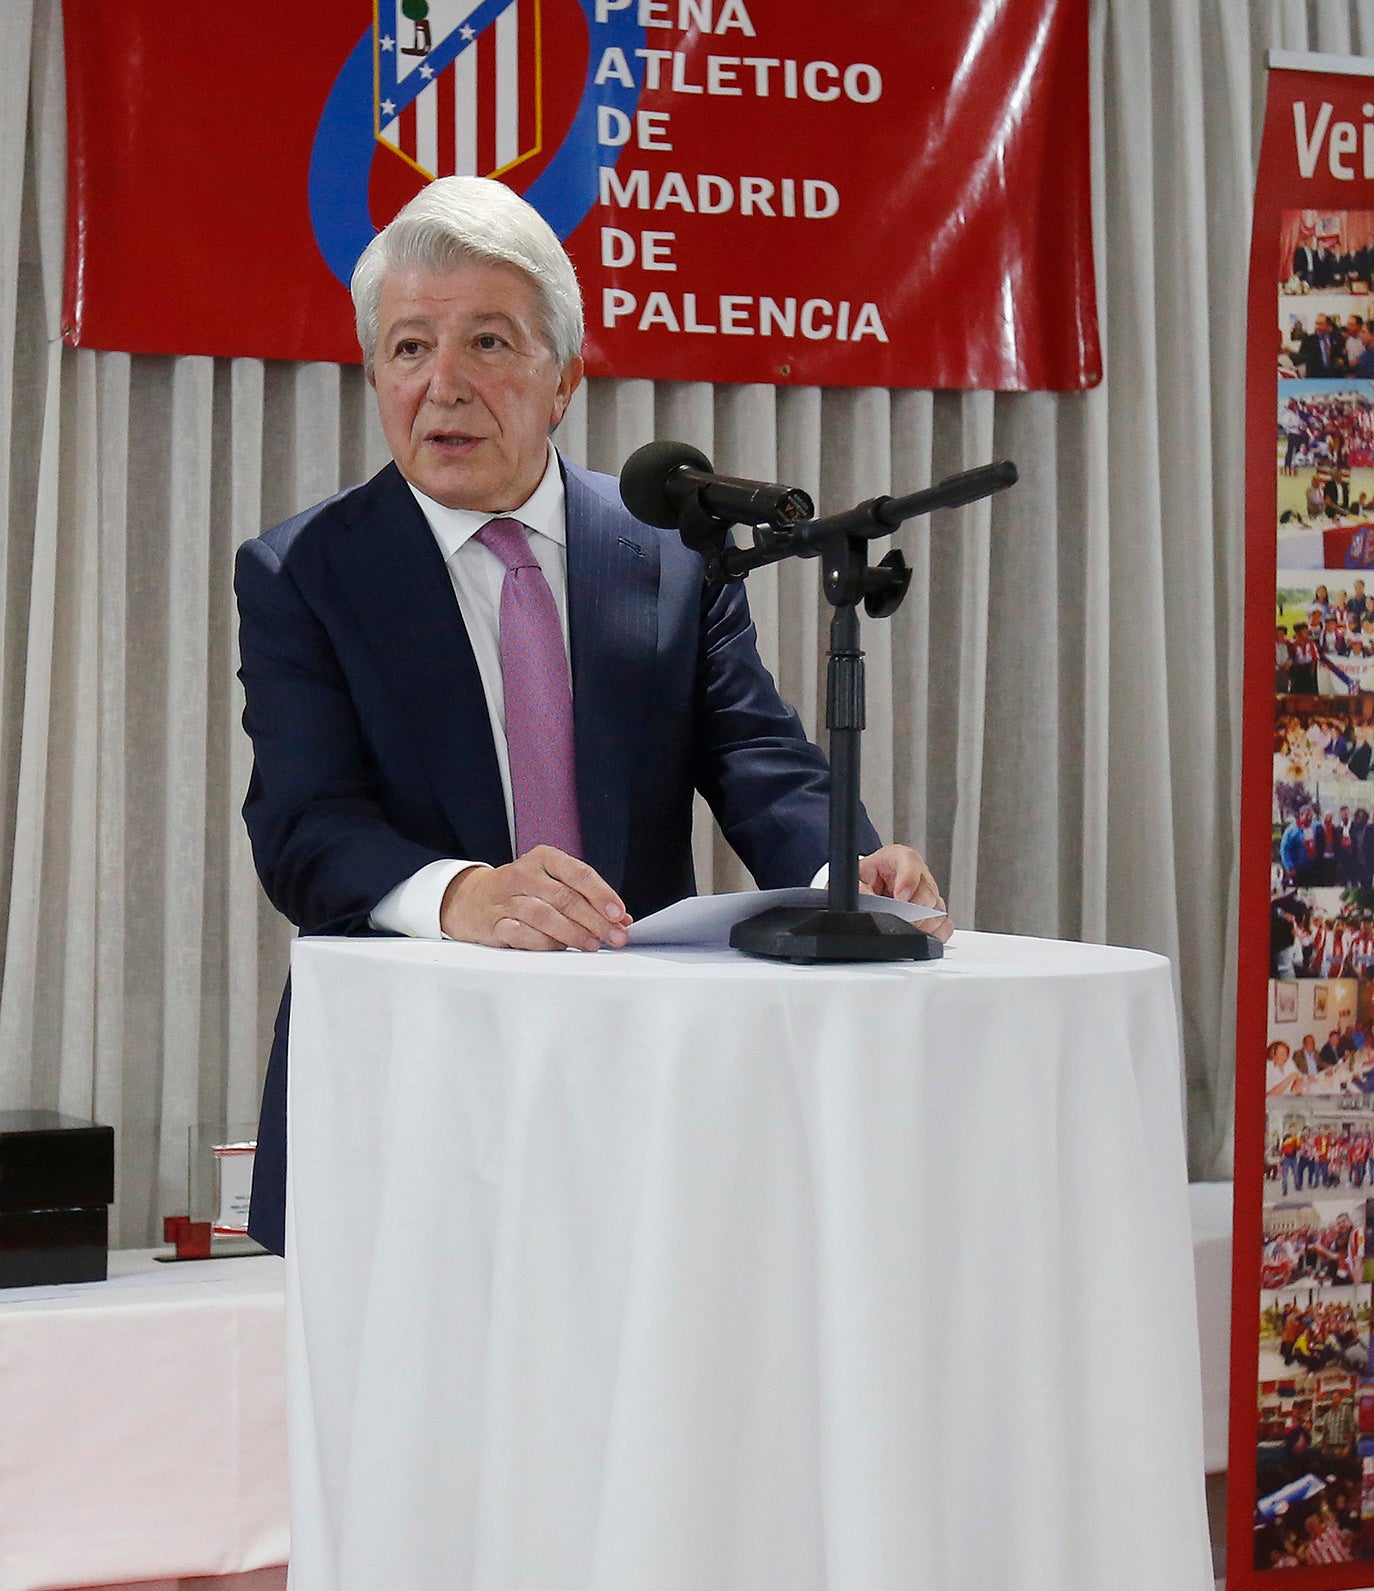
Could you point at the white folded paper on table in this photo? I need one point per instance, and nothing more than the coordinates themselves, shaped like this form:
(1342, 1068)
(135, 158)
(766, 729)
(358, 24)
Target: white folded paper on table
(706, 920)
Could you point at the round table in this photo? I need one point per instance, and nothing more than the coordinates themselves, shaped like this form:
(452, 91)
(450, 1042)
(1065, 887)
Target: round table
(677, 1271)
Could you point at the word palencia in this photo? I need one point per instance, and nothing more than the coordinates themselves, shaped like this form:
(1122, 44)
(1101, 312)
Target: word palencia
(742, 315)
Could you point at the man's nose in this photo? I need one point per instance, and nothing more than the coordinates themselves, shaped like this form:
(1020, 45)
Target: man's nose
(448, 378)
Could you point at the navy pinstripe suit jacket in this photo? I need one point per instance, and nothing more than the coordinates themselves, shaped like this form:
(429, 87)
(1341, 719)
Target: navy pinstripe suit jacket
(373, 750)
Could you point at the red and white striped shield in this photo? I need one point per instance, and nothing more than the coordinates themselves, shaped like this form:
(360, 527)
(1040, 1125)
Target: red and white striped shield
(458, 84)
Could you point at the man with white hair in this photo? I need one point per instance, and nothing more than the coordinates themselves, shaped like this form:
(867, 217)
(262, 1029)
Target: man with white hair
(480, 693)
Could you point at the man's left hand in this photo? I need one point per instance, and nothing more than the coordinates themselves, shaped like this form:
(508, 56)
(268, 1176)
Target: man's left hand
(901, 874)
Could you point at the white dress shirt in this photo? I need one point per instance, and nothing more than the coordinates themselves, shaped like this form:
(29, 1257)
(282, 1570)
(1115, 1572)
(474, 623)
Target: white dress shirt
(477, 574)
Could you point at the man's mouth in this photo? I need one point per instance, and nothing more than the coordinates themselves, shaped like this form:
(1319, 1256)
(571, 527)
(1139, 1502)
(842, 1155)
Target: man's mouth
(456, 442)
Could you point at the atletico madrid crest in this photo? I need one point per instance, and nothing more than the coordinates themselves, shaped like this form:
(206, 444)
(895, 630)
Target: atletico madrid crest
(457, 84)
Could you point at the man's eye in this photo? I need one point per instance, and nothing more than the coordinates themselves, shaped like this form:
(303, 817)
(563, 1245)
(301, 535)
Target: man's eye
(488, 340)
(407, 347)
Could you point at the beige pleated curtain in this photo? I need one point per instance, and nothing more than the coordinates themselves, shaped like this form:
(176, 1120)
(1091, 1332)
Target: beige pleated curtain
(1053, 715)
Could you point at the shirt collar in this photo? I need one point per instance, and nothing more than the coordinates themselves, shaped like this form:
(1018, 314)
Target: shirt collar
(542, 510)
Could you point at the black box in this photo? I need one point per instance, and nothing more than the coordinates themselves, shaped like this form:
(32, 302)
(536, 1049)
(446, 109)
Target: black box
(56, 1184)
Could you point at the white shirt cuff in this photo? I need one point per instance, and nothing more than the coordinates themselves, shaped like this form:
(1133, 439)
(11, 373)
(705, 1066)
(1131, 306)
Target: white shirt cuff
(822, 878)
(413, 907)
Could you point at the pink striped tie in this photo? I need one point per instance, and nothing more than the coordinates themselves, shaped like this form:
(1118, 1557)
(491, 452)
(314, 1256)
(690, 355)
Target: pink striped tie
(534, 676)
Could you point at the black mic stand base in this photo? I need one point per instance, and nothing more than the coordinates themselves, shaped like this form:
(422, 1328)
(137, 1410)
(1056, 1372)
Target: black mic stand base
(810, 934)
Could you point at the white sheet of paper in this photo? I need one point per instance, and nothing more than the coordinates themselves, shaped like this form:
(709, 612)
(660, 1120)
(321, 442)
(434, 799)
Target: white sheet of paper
(707, 919)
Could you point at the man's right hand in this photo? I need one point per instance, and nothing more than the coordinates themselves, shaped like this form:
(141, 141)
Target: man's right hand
(546, 900)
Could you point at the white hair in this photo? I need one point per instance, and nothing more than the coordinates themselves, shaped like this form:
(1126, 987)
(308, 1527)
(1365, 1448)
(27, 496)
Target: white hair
(458, 219)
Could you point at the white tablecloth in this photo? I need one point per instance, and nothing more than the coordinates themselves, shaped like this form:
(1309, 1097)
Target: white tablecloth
(142, 1424)
(1210, 1207)
(656, 1271)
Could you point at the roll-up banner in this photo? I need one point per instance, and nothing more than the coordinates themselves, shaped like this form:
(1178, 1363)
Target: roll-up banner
(1301, 1473)
(786, 191)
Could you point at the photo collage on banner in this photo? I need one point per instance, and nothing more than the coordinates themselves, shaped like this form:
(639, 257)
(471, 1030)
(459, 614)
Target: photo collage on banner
(1315, 1463)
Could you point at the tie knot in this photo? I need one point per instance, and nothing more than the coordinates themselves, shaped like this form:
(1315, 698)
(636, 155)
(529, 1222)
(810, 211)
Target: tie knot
(510, 541)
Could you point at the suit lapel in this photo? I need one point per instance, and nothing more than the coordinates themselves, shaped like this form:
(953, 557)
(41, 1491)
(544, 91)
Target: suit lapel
(392, 575)
(613, 571)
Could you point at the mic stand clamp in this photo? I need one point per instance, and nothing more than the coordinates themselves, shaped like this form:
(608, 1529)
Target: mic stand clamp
(704, 532)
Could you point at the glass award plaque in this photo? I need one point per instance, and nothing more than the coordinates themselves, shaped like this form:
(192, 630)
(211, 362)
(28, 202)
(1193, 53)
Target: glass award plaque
(233, 1186)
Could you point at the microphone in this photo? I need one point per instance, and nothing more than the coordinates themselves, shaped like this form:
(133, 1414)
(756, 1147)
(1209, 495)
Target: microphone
(660, 480)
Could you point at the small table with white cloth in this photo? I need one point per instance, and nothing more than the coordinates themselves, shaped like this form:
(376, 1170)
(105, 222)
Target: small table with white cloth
(143, 1424)
(659, 1270)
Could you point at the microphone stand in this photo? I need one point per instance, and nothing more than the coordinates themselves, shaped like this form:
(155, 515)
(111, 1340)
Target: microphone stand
(840, 931)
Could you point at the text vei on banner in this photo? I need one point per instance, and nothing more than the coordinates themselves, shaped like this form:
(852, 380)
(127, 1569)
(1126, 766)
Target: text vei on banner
(752, 190)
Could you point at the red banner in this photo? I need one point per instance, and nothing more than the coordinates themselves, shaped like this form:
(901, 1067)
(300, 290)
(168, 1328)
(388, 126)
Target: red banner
(752, 190)
(1301, 1473)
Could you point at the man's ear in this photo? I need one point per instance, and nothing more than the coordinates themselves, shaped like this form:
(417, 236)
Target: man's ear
(568, 382)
